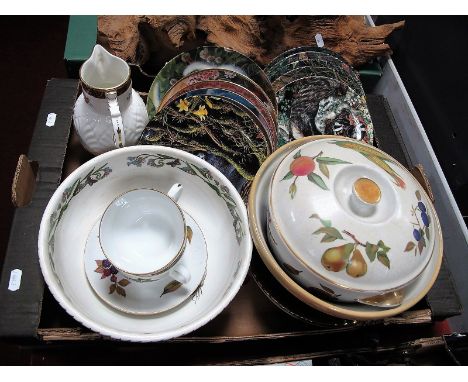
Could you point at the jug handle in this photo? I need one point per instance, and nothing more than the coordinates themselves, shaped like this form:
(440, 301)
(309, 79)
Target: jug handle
(116, 117)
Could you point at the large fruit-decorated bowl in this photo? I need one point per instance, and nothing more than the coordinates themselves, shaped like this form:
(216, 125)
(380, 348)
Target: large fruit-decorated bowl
(208, 197)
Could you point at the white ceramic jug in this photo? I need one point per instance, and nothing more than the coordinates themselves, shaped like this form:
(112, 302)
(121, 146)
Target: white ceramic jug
(108, 114)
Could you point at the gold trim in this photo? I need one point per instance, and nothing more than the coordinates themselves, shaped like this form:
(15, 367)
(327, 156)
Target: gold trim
(101, 92)
(386, 300)
(280, 275)
(166, 267)
(299, 258)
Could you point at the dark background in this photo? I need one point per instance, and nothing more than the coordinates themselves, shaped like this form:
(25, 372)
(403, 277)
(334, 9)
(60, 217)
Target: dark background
(430, 54)
(31, 53)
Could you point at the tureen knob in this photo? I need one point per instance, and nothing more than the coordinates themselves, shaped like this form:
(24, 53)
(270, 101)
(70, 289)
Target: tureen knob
(365, 197)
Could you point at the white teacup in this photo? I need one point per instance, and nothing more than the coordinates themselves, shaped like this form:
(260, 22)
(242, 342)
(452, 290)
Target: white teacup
(143, 234)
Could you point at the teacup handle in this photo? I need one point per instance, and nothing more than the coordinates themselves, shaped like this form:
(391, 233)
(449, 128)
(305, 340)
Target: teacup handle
(180, 273)
(175, 192)
(116, 117)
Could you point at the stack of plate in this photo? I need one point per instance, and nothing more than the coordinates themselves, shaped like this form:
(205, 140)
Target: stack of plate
(318, 93)
(217, 104)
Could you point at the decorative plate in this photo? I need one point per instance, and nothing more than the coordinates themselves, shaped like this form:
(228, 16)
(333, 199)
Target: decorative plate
(223, 76)
(330, 66)
(257, 209)
(320, 105)
(239, 95)
(204, 57)
(318, 68)
(216, 129)
(146, 297)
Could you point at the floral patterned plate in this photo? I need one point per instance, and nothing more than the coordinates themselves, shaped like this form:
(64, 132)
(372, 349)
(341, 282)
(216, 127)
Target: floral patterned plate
(239, 95)
(225, 76)
(321, 105)
(215, 128)
(147, 297)
(204, 57)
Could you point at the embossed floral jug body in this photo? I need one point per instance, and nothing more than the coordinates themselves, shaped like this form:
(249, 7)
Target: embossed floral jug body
(108, 114)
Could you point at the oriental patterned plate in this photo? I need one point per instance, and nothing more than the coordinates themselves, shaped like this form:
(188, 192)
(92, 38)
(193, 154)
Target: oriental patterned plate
(216, 129)
(238, 94)
(204, 57)
(246, 85)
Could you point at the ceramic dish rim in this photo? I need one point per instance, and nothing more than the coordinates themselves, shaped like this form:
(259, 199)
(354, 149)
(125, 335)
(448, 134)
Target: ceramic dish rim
(354, 74)
(361, 91)
(303, 48)
(63, 299)
(328, 78)
(299, 292)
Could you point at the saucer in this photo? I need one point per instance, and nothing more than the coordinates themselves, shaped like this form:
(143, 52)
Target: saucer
(145, 298)
(257, 211)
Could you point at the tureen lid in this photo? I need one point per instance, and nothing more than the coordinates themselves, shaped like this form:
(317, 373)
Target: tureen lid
(352, 214)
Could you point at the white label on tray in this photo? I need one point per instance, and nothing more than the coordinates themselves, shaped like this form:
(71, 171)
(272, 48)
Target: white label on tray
(51, 117)
(319, 40)
(15, 279)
